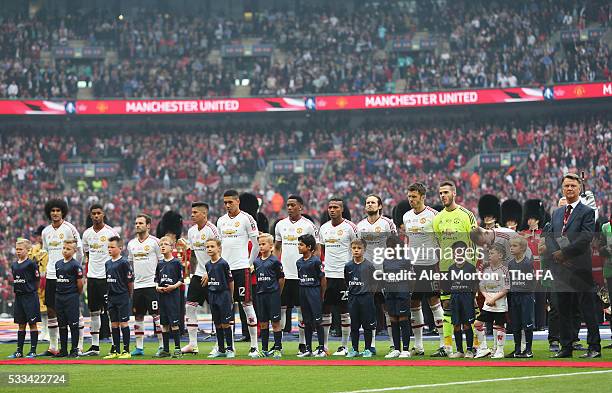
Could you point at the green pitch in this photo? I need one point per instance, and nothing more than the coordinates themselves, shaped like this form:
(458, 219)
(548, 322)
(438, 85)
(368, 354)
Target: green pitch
(186, 378)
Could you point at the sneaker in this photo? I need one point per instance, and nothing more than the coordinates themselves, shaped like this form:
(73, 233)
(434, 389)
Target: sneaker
(554, 346)
(404, 355)
(512, 355)
(16, 355)
(254, 353)
(301, 349)
(124, 355)
(162, 354)
(159, 350)
(138, 352)
(177, 354)
(277, 354)
(524, 355)
(373, 350)
(366, 353)
(31, 355)
(499, 353)
(306, 354)
(393, 354)
(190, 349)
(112, 355)
(74, 353)
(482, 352)
(49, 352)
(609, 346)
(352, 353)
(61, 354)
(417, 352)
(94, 350)
(440, 353)
(456, 355)
(230, 354)
(214, 349)
(217, 354)
(320, 353)
(342, 351)
(469, 354)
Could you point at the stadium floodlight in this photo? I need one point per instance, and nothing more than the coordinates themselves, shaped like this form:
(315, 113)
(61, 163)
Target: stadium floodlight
(245, 82)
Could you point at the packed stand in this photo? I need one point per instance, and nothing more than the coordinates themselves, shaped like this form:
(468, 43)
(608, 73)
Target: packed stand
(326, 51)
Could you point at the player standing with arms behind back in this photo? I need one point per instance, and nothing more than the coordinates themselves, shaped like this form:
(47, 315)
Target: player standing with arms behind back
(418, 225)
(451, 225)
(237, 228)
(53, 237)
(144, 254)
(286, 233)
(201, 231)
(95, 247)
(336, 236)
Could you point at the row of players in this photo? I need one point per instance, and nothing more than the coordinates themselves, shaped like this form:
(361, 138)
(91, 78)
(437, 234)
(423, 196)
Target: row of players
(236, 229)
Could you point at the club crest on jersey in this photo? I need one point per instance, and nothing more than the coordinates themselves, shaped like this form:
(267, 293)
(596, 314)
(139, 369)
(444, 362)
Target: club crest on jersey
(203, 237)
(340, 232)
(377, 229)
(102, 238)
(236, 224)
(61, 236)
(422, 220)
(147, 248)
(299, 230)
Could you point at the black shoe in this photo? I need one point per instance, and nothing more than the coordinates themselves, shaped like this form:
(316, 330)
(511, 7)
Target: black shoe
(49, 353)
(562, 354)
(61, 354)
(74, 353)
(301, 348)
(591, 354)
(578, 347)
(524, 355)
(243, 339)
(512, 355)
(608, 347)
(554, 347)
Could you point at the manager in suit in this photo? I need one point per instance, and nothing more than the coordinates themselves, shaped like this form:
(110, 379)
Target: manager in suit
(568, 246)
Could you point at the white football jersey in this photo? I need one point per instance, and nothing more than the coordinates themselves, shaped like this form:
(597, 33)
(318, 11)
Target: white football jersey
(337, 241)
(494, 281)
(287, 232)
(375, 235)
(196, 239)
(145, 256)
(235, 233)
(421, 237)
(53, 243)
(96, 244)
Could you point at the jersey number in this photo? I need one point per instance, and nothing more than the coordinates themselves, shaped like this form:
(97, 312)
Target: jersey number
(241, 291)
(344, 295)
(154, 305)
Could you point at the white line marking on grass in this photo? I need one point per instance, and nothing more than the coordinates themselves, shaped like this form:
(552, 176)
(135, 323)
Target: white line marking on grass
(433, 385)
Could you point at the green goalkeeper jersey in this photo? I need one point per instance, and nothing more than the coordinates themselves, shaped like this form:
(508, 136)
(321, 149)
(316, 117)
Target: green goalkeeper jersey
(451, 227)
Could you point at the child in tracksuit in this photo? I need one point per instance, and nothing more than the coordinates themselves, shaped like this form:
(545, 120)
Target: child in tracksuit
(169, 277)
(522, 306)
(68, 290)
(27, 307)
(359, 275)
(312, 288)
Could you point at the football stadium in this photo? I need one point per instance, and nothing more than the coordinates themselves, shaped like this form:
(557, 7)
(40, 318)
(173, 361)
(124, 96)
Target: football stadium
(308, 196)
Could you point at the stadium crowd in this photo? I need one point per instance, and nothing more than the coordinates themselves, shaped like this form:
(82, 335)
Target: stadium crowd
(156, 176)
(161, 55)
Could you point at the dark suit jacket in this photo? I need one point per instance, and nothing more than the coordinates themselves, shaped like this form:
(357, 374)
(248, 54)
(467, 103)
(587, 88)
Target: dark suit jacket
(578, 275)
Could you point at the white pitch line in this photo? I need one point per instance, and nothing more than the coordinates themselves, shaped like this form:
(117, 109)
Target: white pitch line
(433, 385)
